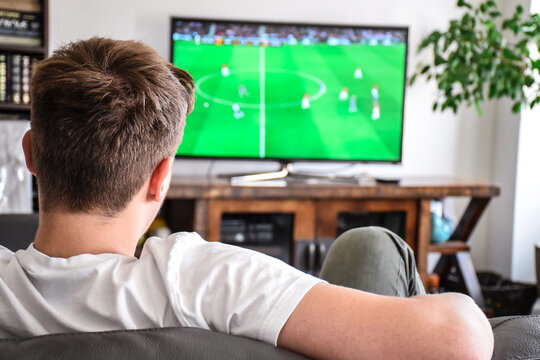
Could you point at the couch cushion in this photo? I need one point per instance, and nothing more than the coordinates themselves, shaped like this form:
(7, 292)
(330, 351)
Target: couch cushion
(164, 343)
(516, 337)
(17, 231)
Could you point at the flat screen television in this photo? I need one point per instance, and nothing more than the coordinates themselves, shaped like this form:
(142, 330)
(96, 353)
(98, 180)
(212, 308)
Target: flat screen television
(290, 92)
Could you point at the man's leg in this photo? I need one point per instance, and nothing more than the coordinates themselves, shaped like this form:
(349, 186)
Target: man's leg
(373, 259)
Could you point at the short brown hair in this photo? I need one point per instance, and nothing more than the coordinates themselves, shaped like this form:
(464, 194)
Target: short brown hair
(104, 114)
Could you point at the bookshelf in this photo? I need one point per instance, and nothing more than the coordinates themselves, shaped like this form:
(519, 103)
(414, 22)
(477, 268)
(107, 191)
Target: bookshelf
(24, 36)
(24, 40)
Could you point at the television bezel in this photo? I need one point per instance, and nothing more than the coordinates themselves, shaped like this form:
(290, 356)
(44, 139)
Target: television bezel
(290, 160)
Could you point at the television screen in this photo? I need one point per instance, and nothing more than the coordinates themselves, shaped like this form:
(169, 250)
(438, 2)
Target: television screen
(292, 91)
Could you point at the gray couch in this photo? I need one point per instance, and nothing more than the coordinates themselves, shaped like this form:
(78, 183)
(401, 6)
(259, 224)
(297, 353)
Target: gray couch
(516, 337)
(166, 343)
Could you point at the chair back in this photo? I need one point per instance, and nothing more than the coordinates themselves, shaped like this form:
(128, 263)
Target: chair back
(17, 231)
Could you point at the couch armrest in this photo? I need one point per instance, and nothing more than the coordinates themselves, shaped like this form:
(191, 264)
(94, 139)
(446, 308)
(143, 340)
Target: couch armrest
(516, 337)
(163, 343)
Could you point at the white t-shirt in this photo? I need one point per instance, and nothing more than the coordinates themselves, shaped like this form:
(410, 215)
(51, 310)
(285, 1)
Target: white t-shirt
(178, 281)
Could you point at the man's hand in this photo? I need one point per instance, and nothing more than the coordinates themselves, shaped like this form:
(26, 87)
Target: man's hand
(333, 322)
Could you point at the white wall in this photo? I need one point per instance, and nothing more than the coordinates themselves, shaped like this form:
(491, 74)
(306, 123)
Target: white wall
(501, 211)
(526, 227)
(527, 204)
(434, 144)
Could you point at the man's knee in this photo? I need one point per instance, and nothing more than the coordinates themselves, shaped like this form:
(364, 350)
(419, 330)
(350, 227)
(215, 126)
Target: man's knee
(370, 242)
(372, 259)
(373, 239)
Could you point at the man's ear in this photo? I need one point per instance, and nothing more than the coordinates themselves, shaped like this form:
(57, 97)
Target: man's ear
(27, 148)
(160, 179)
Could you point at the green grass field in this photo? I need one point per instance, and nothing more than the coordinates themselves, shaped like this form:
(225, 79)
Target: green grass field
(271, 122)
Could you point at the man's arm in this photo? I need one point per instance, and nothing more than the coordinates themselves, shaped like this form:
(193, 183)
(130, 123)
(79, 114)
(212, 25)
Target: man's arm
(333, 322)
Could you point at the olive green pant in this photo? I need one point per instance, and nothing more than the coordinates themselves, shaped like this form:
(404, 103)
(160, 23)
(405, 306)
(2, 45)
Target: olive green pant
(375, 260)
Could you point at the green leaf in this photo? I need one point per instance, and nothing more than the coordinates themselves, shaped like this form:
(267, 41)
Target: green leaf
(516, 108)
(463, 3)
(488, 23)
(425, 69)
(522, 46)
(483, 8)
(535, 101)
(492, 91)
(493, 35)
(509, 54)
(477, 105)
(509, 24)
(439, 60)
(432, 38)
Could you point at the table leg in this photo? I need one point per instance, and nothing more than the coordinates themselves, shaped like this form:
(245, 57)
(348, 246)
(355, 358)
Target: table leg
(469, 219)
(424, 238)
(466, 270)
(462, 260)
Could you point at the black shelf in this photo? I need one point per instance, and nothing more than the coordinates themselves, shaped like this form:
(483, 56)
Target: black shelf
(33, 51)
(9, 111)
(26, 49)
(14, 107)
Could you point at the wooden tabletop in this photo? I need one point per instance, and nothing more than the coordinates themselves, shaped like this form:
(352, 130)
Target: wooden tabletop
(407, 188)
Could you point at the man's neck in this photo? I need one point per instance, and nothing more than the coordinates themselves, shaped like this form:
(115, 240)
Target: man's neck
(65, 234)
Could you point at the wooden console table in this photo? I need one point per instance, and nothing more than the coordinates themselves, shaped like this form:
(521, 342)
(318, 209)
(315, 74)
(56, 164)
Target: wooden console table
(316, 206)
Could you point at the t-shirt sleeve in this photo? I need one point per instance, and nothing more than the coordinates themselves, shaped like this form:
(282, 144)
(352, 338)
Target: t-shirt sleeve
(227, 288)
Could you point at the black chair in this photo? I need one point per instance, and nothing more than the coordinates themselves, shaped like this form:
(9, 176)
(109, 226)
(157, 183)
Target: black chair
(17, 231)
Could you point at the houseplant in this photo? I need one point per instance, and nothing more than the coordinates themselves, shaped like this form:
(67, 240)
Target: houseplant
(483, 55)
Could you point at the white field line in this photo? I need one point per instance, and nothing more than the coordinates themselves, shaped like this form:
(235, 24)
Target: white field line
(262, 119)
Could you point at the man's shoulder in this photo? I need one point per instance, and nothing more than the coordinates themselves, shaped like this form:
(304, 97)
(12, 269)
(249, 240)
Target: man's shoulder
(171, 242)
(5, 255)
(5, 251)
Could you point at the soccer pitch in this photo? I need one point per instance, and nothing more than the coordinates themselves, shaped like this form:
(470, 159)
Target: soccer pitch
(256, 106)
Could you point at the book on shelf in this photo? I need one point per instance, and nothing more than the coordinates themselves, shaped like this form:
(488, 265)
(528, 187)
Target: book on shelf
(15, 74)
(3, 77)
(25, 79)
(20, 28)
(14, 77)
(21, 5)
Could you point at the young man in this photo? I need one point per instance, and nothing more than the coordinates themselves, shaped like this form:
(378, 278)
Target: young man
(107, 118)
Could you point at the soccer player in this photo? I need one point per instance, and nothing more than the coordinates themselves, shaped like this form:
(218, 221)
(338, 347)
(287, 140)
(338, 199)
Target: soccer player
(305, 102)
(375, 93)
(242, 91)
(358, 73)
(344, 94)
(352, 104)
(237, 113)
(225, 70)
(376, 112)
